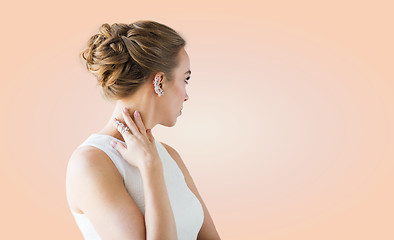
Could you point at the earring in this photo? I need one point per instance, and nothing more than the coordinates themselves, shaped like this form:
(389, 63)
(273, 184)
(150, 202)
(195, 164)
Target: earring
(157, 86)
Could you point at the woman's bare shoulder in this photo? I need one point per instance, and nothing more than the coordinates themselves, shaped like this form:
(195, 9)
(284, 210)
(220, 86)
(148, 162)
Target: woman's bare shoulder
(90, 160)
(88, 155)
(87, 164)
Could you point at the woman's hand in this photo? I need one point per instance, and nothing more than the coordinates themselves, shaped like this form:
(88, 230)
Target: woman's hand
(140, 150)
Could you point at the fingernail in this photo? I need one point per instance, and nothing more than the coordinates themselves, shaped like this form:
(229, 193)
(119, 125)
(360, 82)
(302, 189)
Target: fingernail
(125, 109)
(136, 113)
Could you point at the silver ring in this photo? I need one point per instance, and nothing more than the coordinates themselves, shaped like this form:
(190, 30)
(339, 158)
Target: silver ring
(121, 127)
(125, 129)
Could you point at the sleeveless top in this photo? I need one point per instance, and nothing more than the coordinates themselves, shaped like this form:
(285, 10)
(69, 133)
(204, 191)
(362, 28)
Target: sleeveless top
(187, 209)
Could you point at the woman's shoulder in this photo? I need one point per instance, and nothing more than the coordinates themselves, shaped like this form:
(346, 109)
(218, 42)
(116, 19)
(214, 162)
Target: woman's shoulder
(87, 155)
(89, 158)
(88, 163)
(89, 168)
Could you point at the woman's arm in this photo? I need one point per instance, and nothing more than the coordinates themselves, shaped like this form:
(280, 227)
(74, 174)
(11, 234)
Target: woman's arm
(97, 188)
(159, 217)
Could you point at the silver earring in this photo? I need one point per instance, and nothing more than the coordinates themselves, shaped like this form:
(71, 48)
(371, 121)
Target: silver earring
(158, 89)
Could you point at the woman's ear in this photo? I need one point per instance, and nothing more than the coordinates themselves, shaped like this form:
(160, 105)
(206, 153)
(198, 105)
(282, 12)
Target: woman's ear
(158, 83)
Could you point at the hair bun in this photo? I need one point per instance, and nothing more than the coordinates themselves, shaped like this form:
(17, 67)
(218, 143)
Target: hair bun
(122, 56)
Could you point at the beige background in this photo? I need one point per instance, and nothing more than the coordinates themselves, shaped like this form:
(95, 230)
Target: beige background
(288, 132)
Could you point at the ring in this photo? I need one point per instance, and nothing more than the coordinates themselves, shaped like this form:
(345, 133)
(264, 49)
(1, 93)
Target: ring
(125, 130)
(121, 127)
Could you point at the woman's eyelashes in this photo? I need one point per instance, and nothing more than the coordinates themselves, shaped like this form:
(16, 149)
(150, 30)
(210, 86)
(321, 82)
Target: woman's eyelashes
(187, 79)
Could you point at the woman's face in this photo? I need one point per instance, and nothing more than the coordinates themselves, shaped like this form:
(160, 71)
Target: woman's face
(175, 91)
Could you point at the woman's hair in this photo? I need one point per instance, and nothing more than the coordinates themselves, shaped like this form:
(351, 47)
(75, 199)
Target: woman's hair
(120, 71)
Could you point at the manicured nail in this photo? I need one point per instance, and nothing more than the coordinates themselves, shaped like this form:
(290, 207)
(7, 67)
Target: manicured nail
(125, 109)
(136, 113)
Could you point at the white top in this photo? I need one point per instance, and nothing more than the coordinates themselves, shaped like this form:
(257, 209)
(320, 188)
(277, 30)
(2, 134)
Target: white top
(187, 209)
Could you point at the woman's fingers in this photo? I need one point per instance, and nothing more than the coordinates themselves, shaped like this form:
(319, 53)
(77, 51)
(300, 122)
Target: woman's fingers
(137, 127)
(122, 128)
(150, 136)
(119, 147)
(130, 122)
(140, 124)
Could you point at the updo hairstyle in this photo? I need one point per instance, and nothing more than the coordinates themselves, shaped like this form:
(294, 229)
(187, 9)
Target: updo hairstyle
(120, 71)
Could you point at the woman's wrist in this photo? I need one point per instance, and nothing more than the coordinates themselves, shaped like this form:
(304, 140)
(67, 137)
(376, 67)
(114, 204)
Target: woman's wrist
(151, 165)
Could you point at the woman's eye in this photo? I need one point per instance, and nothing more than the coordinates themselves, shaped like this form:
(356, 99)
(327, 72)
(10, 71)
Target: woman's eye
(186, 81)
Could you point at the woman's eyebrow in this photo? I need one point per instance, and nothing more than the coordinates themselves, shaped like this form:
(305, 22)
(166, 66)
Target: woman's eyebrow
(190, 72)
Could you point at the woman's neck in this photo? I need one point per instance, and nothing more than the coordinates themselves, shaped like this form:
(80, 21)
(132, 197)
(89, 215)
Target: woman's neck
(145, 108)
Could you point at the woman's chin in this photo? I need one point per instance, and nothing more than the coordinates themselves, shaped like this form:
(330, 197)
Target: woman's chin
(169, 123)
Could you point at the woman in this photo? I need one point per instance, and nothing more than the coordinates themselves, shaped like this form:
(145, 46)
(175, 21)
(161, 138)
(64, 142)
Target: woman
(121, 182)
